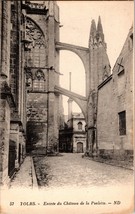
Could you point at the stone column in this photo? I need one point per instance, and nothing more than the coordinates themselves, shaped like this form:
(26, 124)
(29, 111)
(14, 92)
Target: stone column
(5, 38)
(53, 77)
(4, 142)
(14, 136)
(4, 98)
(92, 102)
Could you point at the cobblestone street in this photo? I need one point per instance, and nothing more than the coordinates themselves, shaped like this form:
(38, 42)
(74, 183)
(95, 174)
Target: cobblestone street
(71, 170)
(78, 185)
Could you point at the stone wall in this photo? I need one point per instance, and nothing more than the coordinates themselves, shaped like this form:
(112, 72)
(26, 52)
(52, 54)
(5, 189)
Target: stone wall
(75, 124)
(99, 71)
(0, 27)
(5, 38)
(11, 124)
(17, 84)
(4, 81)
(4, 143)
(43, 112)
(115, 96)
(14, 51)
(36, 120)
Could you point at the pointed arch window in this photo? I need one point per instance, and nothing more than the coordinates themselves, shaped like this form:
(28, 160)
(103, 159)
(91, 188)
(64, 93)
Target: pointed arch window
(39, 81)
(36, 56)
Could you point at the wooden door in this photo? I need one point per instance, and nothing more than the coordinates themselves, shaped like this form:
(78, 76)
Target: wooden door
(79, 147)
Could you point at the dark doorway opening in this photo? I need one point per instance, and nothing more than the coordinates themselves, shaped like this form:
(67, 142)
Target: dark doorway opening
(12, 157)
(19, 154)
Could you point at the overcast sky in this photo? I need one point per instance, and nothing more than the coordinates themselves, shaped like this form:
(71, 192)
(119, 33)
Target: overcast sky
(76, 17)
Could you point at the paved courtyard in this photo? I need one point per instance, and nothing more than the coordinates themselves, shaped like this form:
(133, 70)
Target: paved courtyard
(70, 169)
(76, 184)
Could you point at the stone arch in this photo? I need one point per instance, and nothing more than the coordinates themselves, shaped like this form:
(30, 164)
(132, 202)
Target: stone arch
(75, 49)
(80, 100)
(82, 53)
(72, 69)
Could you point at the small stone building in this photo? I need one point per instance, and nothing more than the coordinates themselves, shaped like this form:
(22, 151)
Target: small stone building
(79, 135)
(72, 138)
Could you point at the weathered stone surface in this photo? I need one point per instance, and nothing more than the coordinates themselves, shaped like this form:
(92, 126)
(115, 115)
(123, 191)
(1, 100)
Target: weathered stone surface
(13, 93)
(4, 145)
(113, 97)
(43, 108)
(29, 59)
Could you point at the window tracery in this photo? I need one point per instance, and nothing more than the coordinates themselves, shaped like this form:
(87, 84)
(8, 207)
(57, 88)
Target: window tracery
(39, 81)
(37, 45)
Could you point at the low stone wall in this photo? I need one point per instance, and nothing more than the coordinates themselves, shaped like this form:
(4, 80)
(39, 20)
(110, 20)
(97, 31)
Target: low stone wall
(116, 154)
(118, 158)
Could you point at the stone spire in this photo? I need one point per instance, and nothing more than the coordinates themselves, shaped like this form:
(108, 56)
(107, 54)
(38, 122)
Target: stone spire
(100, 34)
(92, 32)
(93, 28)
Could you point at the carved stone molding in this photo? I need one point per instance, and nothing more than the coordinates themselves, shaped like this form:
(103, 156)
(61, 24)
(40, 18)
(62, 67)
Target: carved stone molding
(39, 75)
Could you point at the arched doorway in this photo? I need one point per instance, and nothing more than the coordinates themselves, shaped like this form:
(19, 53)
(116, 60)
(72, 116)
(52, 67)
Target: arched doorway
(79, 147)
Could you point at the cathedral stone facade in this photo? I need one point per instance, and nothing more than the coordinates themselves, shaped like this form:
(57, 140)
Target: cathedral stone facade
(31, 103)
(13, 90)
(30, 109)
(41, 67)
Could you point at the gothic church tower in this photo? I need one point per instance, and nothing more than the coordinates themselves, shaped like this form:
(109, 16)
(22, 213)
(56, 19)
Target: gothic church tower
(41, 27)
(99, 62)
(100, 69)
